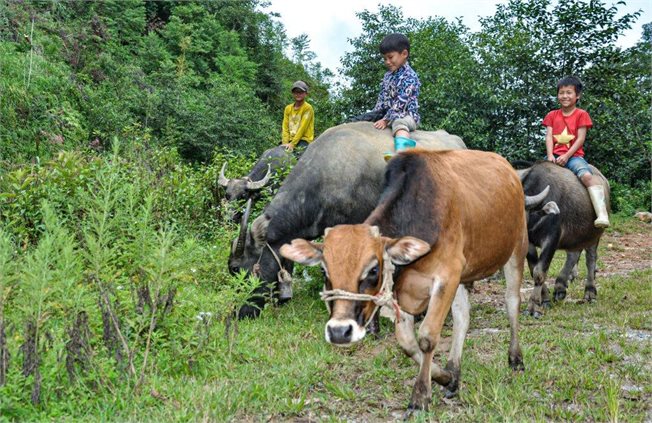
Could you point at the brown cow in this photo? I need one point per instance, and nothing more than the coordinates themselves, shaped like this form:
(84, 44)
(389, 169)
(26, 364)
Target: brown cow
(450, 218)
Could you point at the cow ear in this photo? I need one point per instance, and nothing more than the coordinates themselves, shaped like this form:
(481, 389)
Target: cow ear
(302, 252)
(406, 250)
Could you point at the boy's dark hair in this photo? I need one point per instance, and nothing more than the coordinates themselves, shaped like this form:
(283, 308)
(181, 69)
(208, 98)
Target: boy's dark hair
(394, 43)
(570, 80)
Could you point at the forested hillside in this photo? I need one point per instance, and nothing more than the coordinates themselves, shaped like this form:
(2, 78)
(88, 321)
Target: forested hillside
(203, 75)
(116, 116)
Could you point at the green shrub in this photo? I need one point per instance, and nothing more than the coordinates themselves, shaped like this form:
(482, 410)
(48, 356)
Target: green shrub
(628, 200)
(36, 106)
(121, 273)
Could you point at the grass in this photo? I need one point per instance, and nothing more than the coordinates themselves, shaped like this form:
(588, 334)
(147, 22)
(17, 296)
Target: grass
(580, 365)
(584, 362)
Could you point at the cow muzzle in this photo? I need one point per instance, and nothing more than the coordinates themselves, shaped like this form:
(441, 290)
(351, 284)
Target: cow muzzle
(344, 332)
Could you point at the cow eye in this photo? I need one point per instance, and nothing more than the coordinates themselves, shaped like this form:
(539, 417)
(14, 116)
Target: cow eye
(373, 272)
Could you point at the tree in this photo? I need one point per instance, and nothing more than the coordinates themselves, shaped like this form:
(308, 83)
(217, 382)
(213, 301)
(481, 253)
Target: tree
(529, 45)
(364, 65)
(620, 92)
(301, 49)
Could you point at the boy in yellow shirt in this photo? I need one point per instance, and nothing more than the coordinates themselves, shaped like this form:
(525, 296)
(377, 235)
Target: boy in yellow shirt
(298, 119)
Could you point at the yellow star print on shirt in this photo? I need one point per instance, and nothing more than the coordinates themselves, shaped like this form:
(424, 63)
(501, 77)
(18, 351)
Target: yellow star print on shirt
(564, 137)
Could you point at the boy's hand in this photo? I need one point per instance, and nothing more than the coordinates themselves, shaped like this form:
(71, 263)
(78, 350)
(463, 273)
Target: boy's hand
(562, 160)
(288, 147)
(381, 124)
(551, 158)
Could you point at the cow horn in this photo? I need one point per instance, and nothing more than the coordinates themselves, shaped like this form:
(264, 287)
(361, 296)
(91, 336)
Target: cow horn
(223, 180)
(522, 173)
(254, 185)
(535, 200)
(239, 246)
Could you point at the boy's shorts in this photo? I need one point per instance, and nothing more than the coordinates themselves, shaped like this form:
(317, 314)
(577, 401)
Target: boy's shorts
(406, 123)
(578, 166)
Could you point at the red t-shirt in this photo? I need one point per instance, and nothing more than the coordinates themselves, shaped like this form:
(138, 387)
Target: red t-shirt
(564, 129)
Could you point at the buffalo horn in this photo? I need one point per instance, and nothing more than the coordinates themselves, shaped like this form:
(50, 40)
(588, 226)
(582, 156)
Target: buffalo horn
(239, 246)
(223, 180)
(522, 173)
(254, 185)
(535, 200)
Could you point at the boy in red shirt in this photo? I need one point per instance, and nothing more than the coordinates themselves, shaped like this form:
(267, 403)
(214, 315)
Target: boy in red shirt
(565, 135)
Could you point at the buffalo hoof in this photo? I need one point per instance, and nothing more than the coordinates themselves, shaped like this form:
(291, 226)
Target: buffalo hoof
(536, 310)
(248, 312)
(546, 305)
(533, 312)
(560, 294)
(516, 363)
(590, 295)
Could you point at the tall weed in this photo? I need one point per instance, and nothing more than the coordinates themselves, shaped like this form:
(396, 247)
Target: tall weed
(48, 291)
(6, 284)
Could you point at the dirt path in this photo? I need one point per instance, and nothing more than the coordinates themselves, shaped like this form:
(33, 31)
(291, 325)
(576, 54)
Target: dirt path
(627, 252)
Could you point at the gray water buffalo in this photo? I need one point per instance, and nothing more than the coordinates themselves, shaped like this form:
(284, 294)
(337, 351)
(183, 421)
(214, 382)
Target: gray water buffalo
(338, 180)
(251, 184)
(565, 225)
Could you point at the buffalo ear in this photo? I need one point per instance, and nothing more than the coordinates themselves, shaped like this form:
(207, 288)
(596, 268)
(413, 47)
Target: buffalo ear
(551, 208)
(406, 250)
(303, 252)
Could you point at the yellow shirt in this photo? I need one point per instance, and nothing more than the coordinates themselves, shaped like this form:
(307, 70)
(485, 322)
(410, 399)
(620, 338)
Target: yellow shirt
(298, 124)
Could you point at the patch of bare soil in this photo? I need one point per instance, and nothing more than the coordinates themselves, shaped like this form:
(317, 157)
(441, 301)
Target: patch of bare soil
(626, 253)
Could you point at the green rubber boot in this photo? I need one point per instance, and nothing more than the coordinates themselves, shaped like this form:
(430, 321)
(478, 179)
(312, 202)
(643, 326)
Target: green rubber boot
(400, 144)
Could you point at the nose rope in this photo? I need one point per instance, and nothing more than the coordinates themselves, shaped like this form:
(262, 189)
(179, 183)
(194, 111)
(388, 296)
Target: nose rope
(384, 298)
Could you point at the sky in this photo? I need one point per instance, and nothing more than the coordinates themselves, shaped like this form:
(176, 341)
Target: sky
(330, 23)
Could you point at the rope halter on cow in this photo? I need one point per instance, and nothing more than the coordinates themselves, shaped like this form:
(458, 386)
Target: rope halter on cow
(384, 298)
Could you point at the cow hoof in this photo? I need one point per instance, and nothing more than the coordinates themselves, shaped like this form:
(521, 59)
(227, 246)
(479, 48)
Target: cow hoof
(533, 311)
(420, 397)
(546, 305)
(411, 413)
(451, 389)
(449, 393)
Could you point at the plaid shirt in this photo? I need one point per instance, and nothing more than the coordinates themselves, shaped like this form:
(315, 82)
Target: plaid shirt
(398, 94)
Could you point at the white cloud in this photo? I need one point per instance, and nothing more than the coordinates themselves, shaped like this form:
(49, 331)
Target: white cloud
(330, 23)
